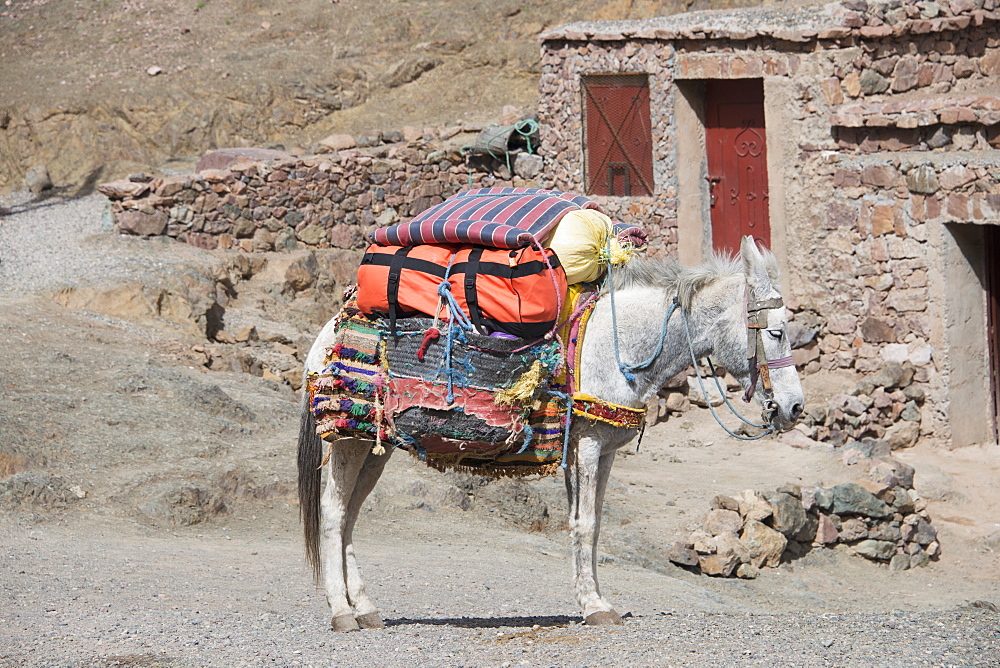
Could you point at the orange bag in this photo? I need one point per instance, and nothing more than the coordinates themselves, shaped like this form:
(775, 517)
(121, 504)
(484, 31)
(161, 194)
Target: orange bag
(511, 291)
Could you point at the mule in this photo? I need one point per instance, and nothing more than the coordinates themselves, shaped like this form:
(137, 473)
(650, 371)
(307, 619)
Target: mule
(720, 301)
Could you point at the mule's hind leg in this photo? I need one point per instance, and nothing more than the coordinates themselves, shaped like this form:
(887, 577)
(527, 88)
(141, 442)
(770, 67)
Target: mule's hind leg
(365, 612)
(347, 458)
(586, 482)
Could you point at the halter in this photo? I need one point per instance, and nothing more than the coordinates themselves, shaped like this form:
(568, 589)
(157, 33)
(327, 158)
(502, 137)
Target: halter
(756, 321)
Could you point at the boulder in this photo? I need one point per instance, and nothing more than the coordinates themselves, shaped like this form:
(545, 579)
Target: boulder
(682, 555)
(877, 550)
(787, 515)
(722, 521)
(729, 554)
(753, 506)
(853, 499)
(37, 179)
(764, 545)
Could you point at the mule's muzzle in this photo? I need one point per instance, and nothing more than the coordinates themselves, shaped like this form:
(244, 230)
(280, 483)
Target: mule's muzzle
(779, 419)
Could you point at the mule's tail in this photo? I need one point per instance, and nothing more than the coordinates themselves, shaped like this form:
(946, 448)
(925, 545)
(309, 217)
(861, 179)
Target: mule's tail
(310, 463)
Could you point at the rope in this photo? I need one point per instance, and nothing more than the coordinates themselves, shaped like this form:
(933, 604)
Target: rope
(458, 318)
(694, 361)
(627, 369)
(526, 128)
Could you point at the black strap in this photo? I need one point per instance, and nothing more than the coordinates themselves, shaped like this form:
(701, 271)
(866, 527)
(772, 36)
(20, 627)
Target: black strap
(392, 285)
(471, 298)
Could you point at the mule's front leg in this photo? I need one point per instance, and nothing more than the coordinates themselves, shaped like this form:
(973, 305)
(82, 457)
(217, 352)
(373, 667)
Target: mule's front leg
(586, 481)
(347, 457)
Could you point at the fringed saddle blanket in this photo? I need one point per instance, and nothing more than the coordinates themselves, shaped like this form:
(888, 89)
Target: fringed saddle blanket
(470, 402)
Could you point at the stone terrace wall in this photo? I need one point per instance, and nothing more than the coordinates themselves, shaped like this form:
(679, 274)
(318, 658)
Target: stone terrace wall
(262, 201)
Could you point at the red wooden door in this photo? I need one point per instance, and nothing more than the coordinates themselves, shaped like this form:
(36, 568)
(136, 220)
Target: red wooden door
(619, 142)
(737, 162)
(992, 257)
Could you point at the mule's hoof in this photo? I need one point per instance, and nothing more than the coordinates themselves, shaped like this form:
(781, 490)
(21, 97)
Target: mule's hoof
(370, 620)
(603, 618)
(344, 623)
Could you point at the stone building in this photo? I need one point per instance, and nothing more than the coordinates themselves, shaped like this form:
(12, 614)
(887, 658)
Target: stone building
(857, 140)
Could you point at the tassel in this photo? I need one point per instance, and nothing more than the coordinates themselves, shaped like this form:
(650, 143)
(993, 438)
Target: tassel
(524, 389)
(430, 336)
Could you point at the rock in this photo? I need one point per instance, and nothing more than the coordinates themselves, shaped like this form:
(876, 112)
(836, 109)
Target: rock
(729, 554)
(222, 336)
(893, 375)
(185, 506)
(885, 531)
(677, 402)
(36, 488)
(911, 413)
(899, 562)
(528, 165)
(902, 434)
(753, 506)
(877, 550)
(247, 334)
(746, 572)
(853, 499)
(916, 529)
(853, 529)
(874, 330)
(826, 532)
(799, 336)
(922, 180)
(682, 555)
(143, 224)
(724, 502)
(873, 83)
(703, 543)
(721, 521)
(154, 70)
(788, 517)
(697, 397)
(337, 143)
(221, 158)
(764, 545)
(37, 179)
(302, 273)
(824, 498)
(409, 69)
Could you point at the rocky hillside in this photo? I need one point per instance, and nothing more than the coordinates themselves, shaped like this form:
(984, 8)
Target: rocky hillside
(94, 90)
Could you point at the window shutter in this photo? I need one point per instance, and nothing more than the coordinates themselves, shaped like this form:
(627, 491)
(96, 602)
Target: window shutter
(618, 139)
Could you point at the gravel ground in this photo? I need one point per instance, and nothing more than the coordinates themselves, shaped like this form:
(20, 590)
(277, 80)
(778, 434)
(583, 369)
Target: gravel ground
(229, 597)
(98, 583)
(49, 243)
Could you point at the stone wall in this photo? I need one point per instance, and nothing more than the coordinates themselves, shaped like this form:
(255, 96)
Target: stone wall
(885, 122)
(561, 111)
(263, 200)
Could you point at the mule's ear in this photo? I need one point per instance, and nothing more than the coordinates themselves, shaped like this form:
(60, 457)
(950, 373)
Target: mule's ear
(754, 267)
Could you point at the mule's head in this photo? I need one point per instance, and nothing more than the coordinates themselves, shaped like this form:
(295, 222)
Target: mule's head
(770, 375)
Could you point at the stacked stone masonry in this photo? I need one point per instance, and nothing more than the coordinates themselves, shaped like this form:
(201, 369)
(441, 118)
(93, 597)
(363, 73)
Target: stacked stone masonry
(281, 203)
(889, 129)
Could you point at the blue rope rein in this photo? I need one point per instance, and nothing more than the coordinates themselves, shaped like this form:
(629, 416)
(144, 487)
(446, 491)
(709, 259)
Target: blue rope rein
(627, 369)
(701, 385)
(457, 319)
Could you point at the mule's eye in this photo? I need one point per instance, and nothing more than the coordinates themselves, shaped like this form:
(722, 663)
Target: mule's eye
(776, 334)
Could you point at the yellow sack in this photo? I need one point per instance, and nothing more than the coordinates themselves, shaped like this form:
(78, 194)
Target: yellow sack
(580, 240)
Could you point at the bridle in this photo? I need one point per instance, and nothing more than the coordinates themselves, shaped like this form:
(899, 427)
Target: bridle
(758, 365)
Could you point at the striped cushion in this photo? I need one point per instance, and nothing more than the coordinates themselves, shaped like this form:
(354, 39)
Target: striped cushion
(495, 217)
